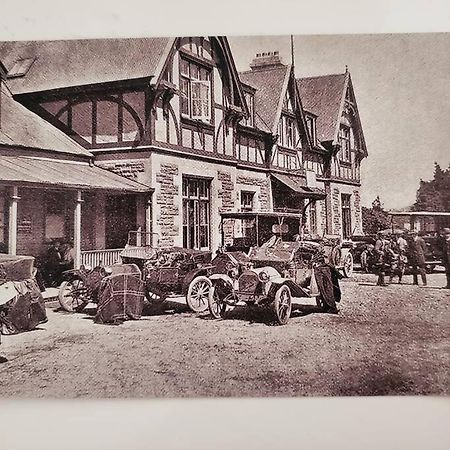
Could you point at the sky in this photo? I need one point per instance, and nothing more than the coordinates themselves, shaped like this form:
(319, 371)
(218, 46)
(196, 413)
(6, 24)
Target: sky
(401, 81)
(402, 88)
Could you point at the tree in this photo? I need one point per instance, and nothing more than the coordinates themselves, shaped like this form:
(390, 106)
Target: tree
(434, 195)
(376, 218)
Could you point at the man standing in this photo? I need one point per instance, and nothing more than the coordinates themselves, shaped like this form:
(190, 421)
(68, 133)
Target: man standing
(417, 258)
(379, 255)
(445, 248)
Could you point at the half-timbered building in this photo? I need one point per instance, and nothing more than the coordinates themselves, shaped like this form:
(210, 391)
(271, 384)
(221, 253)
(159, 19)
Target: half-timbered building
(338, 147)
(173, 114)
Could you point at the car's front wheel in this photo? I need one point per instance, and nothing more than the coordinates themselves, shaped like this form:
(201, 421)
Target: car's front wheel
(198, 294)
(216, 304)
(282, 305)
(348, 265)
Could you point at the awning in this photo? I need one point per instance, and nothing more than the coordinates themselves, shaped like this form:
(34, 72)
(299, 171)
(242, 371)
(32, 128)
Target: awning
(22, 170)
(296, 185)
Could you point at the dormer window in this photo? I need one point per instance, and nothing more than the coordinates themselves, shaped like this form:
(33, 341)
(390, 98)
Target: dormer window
(195, 90)
(311, 124)
(20, 68)
(344, 141)
(287, 133)
(250, 100)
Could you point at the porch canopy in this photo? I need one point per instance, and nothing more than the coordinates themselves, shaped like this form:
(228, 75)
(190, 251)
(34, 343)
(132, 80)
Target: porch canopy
(64, 174)
(298, 188)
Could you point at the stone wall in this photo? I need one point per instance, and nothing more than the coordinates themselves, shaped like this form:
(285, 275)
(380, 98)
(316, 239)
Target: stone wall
(128, 169)
(357, 212)
(264, 193)
(226, 191)
(336, 208)
(168, 203)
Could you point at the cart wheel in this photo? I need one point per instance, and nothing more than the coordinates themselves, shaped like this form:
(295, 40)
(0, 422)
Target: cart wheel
(348, 266)
(198, 293)
(217, 306)
(73, 296)
(335, 256)
(282, 305)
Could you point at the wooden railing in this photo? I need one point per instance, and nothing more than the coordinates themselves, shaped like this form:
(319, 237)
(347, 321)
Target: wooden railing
(106, 257)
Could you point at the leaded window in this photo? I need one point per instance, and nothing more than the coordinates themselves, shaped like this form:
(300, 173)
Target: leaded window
(195, 90)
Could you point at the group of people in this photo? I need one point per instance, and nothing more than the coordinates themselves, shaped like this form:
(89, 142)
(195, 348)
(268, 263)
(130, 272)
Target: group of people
(392, 254)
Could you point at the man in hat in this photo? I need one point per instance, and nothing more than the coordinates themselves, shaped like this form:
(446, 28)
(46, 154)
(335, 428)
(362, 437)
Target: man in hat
(417, 257)
(445, 248)
(380, 260)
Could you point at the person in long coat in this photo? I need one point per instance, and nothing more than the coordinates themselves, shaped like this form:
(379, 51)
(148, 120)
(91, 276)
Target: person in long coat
(417, 248)
(445, 248)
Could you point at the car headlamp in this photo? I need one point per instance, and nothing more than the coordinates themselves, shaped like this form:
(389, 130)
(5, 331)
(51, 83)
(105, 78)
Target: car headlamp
(263, 276)
(233, 272)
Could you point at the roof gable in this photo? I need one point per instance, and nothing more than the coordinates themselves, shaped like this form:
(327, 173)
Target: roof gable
(270, 85)
(68, 63)
(323, 96)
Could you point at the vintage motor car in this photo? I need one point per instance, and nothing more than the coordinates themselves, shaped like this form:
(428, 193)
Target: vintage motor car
(273, 273)
(170, 271)
(242, 231)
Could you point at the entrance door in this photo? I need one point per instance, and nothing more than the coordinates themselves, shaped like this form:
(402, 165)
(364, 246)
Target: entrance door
(120, 219)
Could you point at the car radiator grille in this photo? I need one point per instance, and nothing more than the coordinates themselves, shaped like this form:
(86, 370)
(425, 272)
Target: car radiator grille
(248, 282)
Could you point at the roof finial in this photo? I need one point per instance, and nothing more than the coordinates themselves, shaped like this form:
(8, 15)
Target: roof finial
(346, 68)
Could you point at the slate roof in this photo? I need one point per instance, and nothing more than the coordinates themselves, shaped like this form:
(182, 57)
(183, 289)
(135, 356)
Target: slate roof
(322, 95)
(69, 174)
(68, 63)
(269, 84)
(21, 127)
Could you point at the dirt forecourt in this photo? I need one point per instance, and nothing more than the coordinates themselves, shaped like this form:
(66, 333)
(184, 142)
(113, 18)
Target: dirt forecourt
(392, 340)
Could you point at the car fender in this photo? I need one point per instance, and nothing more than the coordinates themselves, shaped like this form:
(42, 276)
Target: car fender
(191, 275)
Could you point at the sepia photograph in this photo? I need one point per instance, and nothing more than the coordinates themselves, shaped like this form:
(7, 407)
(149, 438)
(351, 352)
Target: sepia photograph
(224, 225)
(225, 216)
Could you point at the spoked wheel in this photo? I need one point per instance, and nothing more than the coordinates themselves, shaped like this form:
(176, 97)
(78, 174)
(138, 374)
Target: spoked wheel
(216, 303)
(73, 295)
(198, 294)
(282, 305)
(348, 266)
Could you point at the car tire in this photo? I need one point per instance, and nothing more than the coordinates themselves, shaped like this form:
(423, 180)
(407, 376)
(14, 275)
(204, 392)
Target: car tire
(217, 307)
(282, 305)
(348, 265)
(198, 294)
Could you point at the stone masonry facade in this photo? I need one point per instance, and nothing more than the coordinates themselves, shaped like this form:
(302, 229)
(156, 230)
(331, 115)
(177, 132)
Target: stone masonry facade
(357, 209)
(264, 195)
(336, 205)
(128, 169)
(166, 199)
(226, 191)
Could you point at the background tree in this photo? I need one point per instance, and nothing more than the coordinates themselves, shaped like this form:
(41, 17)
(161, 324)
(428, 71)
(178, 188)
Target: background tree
(434, 195)
(376, 218)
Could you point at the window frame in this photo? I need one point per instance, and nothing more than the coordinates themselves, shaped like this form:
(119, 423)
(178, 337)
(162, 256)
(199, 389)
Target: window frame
(345, 138)
(196, 198)
(189, 83)
(346, 213)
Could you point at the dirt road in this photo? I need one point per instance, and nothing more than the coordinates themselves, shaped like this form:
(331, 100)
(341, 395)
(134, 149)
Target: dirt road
(386, 340)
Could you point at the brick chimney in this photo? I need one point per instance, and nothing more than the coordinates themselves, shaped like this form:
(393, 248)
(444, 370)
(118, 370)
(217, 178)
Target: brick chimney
(266, 60)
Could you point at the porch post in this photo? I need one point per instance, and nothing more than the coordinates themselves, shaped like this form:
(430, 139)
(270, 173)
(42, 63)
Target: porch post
(148, 222)
(77, 231)
(12, 231)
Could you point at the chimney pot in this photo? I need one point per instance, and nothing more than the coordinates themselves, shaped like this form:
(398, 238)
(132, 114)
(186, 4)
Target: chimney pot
(266, 60)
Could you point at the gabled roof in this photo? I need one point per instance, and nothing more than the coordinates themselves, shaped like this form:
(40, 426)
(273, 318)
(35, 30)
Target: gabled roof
(270, 85)
(67, 63)
(323, 96)
(20, 127)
